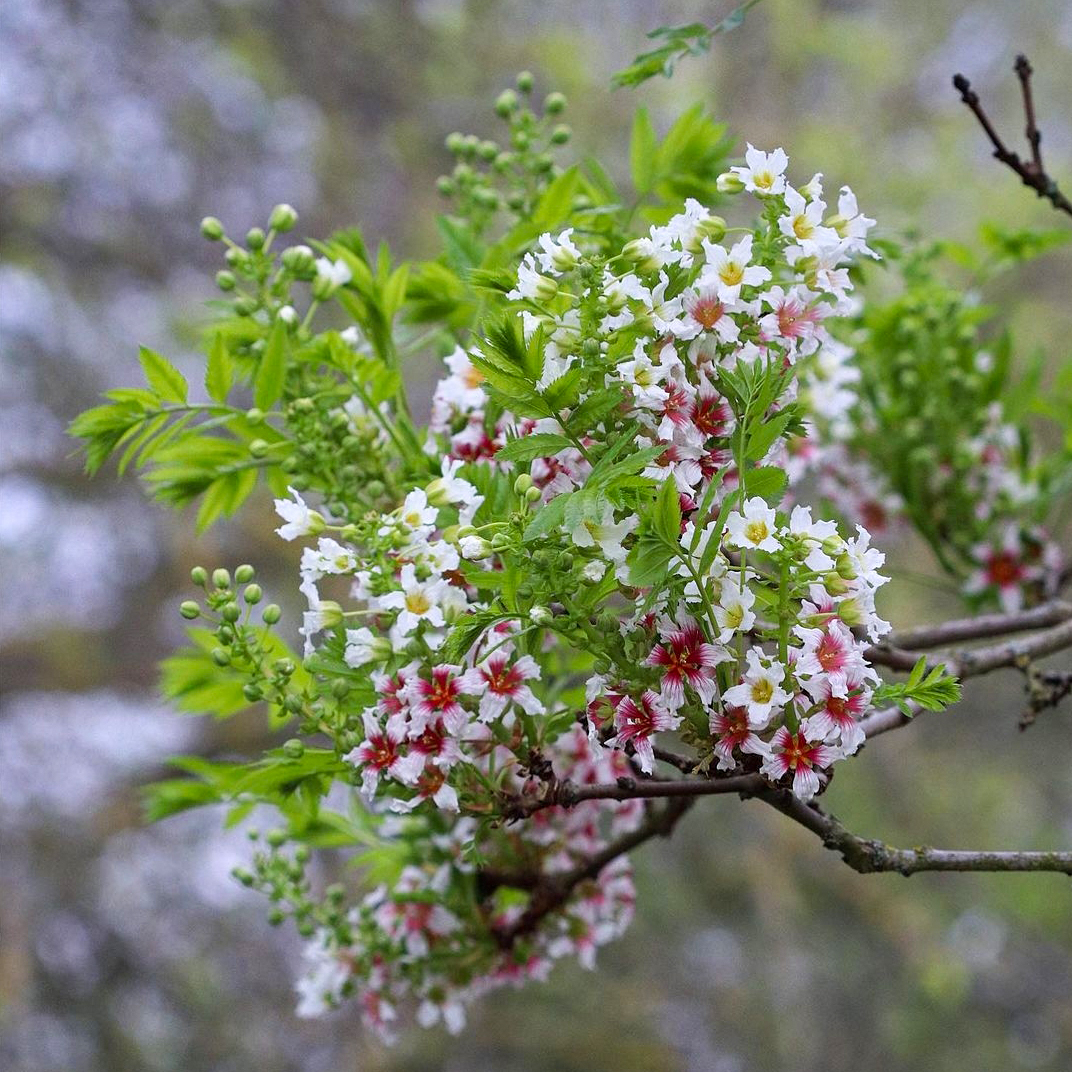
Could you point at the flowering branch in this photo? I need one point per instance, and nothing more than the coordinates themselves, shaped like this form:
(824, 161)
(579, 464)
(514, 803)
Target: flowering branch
(1031, 172)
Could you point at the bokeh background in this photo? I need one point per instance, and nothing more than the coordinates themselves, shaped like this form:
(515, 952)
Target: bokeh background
(122, 947)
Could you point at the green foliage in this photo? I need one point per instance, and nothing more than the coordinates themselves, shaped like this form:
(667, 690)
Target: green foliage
(933, 690)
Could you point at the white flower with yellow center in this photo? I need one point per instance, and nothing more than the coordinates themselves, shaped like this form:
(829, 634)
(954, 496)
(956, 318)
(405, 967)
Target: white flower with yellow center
(752, 528)
(763, 173)
(418, 601)
(733, 612)
(729, 270)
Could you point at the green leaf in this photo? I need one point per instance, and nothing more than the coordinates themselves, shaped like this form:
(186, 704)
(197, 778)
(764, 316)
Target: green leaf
(667, 515)
(642, 149)
(649, 560)
(162, 376)
(268, 386)
(537, 445)
(763, 438)
(767, 482)
(548, 517)
(219, 372)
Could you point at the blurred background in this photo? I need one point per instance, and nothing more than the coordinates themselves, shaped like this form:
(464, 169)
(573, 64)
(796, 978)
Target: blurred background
(122, 947)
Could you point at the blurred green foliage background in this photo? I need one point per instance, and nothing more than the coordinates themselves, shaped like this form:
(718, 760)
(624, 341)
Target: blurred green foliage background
(122, 123)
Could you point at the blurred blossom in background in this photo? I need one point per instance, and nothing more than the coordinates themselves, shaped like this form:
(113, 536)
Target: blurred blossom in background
(122, 947)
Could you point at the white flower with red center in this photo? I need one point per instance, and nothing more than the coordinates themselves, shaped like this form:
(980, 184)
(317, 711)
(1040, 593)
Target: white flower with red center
(418, 601)
(733, 731)
(379, 754)
(763, 173)
(637, 722)
(431, 784)
(705, 311)
(677, 409)
(761, 692)
(682, 461)
(793, 753)
(838, 718)
(439, 696)
(435, 745)
(830, 655)
(729, 270)
(686, 658)
(753, 528)
(711, 414)
(794, 318)
(502, 683)
(1002, 570)
(733, 612)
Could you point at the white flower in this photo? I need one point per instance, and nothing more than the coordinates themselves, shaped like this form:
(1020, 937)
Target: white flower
(333, 273)
(418, 601)
(300, 520)
(474, 547)
(753, 528)
(803, 223)
(530, 284)
(729, 270)
(593, 571)
(607, 533)
(558, 254)
(734, 610)
(416, 512)
(763, 173)
(288, 314)
(760, 692)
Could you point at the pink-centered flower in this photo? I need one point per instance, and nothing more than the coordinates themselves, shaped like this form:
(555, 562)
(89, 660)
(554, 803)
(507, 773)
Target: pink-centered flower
(829, 654)
(733, 731)
(838, 719)
(686, 658)
(379, 754)
(793, 753)
(439, 696)
(502, 680)
(637, 722)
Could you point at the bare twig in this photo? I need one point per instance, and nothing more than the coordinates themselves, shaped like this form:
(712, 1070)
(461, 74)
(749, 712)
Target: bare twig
(982, 627)
(1031, 172)
(869, 856)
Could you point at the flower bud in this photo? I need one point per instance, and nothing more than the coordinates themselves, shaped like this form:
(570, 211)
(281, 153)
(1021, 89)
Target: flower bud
(258, 448)
(455, 143)
(533, 495)
(555, 104)
(283, 218)
(505, 103)
(845, 567)
(255, 238)
(253, 594)
(835, 585)
(525, 81)
(299, 259)
(833, 545)
(199, 575)
(561, 134)
(294, 748)
(540, 615)
(211, 228)
(225, 280)
(729, 183)
(445, 185)
(220, 657)
(231, 612)
(252, 692)
(640, 253)
(221, 578)
(288, 314)
(271, 614)
(189, 609)
(330, 613)
(714, 228)
(522, 484)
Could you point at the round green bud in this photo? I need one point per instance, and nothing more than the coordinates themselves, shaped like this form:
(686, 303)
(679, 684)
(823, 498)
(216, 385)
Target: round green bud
(590, 348)
(301, 854)
(255, 238)
(291, 463)
(375, 488)
(505, 103)
(729, 183)
(293, 749)
(243, 876)
(520, 140)
(445, 185)
(502, 161)
(554, 104)
(255, 415)
(540, 615)
(236, 258)
(485, 197)
(231, 612)
(561, 134)
(455, 142)
(221, 578)
(258, 448)
(545, 162)
(252, 693)
(299, 260)
(189, 610)
(464, 173)
(284, 667)
(525, 81)
(199, 575)
(271, 614)
(225, 634)
(522, 484)
(565, 561)
(253, 594)
(220, 657)
(211, 228)
(276, 838)
(487, 151)
(524, 591)
(532, 495)
(283, 218)
(340, 689)
(276, 917)
(516, 201)
(336, 892)
(225, 280)
(245, 306)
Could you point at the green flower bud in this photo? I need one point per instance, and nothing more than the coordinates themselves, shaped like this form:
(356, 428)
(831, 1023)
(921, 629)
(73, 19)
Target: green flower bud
(516, 201)
(221, 578)
(189, 610)
(505, 103)
(237, 258)
(231, 612)
(522, 484)
(271, 614)
(502, 161)
(199, 575)
(243, 876)
(540, 615)
(533, 495)
(293, 749)
(245, 306)
(211, 228)
(299, 260)
(375, 488)
(561, 134)
(445, 185)
(255, 238)
(252, 693)
(729, 183)
(276, 917)
(639, 252)
(455, 143)
(283, 218)
(554, 104)
(845, 567)
(276, 838)
(835, 585)
(220, 657)
(525, 81)
(225, 280)
(255, 415)
(258, 448)
(487, 151)
(253, 594)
